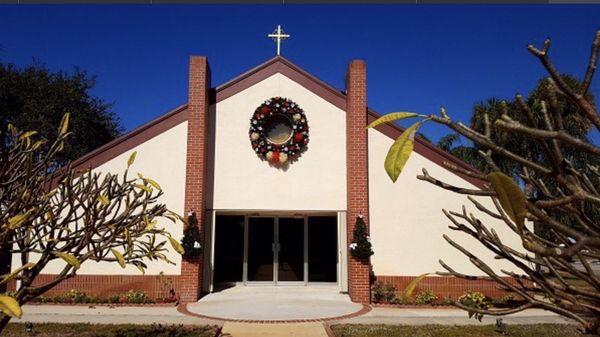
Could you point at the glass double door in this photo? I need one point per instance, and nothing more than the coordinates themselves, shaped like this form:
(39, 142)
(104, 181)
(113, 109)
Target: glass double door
(276, 250)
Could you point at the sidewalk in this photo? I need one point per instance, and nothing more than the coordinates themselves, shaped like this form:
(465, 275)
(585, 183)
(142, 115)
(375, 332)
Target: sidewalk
(448, 317)
(108, 315)
(170, 315)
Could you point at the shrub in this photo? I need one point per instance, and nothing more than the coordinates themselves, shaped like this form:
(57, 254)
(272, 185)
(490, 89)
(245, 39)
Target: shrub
(76, 296)
(403, 300)
(475, 300)
(426, 297)
(448, 300)
(136, 296)
(384, 293)
(59, 299)
(506, 301)
(361, 247)
(95, 300)
(41, 299)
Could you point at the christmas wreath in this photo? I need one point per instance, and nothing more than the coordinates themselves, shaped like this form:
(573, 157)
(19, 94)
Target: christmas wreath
(279, 131)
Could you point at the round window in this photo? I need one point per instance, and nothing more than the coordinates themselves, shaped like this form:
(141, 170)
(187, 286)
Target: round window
(278, 129)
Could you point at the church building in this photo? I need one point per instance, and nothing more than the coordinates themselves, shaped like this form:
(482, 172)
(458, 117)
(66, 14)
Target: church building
(277, 166)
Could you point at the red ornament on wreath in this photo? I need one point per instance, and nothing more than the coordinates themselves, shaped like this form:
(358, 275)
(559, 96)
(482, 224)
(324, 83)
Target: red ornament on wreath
(279, 131)
(298, 137)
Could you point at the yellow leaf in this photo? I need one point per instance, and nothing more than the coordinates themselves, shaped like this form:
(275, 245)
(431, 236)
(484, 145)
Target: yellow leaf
(28, 134)
(64, 125)
(153, 183)
(400, 151)
(394, 116)
(11, 129)
(37, 145)
(16, 272)
(18, 220)
(103, 200)
(510, 196)
(140, 268)
(126, 234)
(119, 257)
(143, 187)
(149, 224)
(10, 306)
(176, 245)
(69, 258)
(410, 288)
(131, 159)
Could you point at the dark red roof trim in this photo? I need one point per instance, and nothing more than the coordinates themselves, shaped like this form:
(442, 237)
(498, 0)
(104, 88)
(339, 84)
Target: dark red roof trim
(426, 149)
(281, 65)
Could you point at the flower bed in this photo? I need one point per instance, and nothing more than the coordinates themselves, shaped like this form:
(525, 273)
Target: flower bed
(129, 298)
(385, 295)
(412, 306)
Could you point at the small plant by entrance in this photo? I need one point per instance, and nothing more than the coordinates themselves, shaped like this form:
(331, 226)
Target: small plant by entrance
(361, 247)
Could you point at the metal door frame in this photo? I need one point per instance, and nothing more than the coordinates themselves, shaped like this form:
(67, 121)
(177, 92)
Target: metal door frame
(275, 247)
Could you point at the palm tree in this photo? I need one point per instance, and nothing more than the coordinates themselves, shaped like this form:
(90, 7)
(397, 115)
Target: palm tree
(524, 111)
(529, 111)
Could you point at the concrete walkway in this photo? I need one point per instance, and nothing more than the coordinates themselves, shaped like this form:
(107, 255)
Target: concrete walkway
(231, 329)
(448, 317)
(170, 315)
(108, 315)
(285, 303)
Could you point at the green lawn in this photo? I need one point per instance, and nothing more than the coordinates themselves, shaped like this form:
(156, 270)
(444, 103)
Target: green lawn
(538, 330)
(106, 330)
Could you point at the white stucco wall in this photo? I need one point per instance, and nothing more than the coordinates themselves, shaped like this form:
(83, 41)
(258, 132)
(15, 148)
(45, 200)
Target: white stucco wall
(407, 222)
(163, 159)
(316, 181)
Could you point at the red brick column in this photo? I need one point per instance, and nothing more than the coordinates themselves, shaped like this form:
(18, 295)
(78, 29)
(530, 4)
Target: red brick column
(357, 173)
(195, 181)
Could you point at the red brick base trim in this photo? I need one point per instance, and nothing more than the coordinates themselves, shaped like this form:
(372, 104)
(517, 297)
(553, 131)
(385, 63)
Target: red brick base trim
(445, 286)
(155, 286)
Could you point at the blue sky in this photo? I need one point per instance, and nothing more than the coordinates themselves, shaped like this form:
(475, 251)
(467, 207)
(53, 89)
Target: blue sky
(418, 57)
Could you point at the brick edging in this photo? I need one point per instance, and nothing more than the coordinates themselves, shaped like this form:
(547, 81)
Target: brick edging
(328, 330)
(182, 308)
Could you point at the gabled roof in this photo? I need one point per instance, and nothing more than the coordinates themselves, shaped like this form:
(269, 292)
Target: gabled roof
(278, 64)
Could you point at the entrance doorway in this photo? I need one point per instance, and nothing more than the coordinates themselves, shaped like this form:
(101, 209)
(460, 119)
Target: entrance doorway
(276, 249)
(257, 249)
